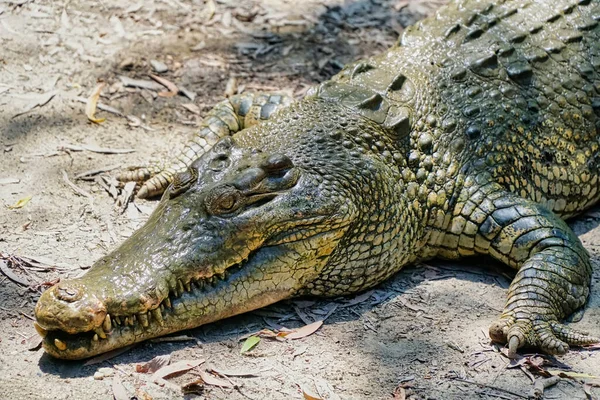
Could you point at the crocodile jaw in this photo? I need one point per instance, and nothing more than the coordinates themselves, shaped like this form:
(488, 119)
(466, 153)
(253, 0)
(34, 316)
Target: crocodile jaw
(241, 289)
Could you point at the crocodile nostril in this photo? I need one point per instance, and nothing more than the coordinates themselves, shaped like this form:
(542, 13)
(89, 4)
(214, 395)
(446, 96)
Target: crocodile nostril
(68, 293)
(277, 162)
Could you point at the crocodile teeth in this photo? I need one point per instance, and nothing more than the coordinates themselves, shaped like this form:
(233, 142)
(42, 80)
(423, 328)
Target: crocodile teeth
(95, 338)
(128, 321)
(100, 332)
(143, 318)
(180, 288)
(60, 344)
(41, 331)
(107, 325)
(157, 316)
(117, 320)
(168, 302)
(188, 287)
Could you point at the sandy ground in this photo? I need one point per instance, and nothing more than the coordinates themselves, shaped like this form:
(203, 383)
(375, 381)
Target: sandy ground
(420, 335)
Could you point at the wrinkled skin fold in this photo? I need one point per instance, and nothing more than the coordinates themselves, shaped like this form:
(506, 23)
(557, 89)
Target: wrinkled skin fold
(476, 135)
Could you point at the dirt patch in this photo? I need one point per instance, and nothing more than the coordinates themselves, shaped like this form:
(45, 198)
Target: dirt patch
(424, 330)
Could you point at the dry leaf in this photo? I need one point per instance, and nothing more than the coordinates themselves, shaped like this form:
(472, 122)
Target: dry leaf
(400, 393)
(209, 10)
(304, 331)
(358, 299)
(249, 344)
(39, 101)
(153, 365)
(119, 391)
(92, 101)
(21, 203)
(176, 368)
(173, 89)
(210, 379)
(191, 107)
(11, 275)
(309, 395)
(194, 387)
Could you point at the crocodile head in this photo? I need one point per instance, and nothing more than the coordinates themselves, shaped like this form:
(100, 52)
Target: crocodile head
(240, 229)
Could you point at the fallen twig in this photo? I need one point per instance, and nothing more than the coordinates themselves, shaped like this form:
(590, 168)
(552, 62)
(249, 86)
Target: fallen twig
(491, 387)
(76, 188)
(538, 387)
(180, 338)
(95, 149)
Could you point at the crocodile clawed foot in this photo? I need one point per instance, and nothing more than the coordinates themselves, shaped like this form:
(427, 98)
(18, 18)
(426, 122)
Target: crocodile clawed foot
(153, 179)
(550, 337)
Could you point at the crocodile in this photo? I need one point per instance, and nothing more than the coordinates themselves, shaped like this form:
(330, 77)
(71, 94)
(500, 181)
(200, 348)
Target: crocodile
(476, 134)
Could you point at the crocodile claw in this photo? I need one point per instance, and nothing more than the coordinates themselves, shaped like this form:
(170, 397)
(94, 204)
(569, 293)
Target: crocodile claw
(551, 337)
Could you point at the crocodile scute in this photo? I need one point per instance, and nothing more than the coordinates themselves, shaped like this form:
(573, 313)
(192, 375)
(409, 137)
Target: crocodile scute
(477, 134)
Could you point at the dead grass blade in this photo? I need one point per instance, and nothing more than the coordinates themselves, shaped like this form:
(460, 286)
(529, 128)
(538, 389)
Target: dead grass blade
(92, 101)
(236, 373)
(94, 149)
(107, 356)
(93, 172)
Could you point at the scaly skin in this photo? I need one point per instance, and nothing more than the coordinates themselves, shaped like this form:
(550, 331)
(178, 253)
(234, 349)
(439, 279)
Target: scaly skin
(474, 135)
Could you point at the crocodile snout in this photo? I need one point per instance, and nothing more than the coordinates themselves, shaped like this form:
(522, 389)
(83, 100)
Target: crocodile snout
(68, 307)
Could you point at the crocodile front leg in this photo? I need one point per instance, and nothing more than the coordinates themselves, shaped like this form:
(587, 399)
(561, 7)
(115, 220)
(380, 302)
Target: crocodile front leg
(554, 268)
(226, 118)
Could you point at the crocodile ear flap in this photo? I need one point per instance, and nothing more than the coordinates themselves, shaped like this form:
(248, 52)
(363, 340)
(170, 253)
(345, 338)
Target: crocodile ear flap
(276, 164)
(398, 121)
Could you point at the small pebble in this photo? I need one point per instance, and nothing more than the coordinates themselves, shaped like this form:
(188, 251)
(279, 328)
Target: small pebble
(103, 373)
(158, 66)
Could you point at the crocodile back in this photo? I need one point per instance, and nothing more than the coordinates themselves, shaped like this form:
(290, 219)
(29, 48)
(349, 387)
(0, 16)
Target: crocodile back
(509, 89)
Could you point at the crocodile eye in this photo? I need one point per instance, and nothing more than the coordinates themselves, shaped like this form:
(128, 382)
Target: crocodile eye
(223, 200)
